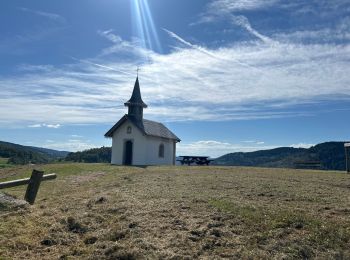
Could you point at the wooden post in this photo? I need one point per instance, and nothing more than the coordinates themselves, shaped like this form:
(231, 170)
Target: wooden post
(33, 186)
(10, 184)
(20, 182)
(347, 157)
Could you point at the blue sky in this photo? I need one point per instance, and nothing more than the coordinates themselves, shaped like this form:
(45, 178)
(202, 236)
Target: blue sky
(224, 75)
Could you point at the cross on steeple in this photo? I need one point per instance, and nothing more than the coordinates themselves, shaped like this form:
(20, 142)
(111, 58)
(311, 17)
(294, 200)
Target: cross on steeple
(137, 70)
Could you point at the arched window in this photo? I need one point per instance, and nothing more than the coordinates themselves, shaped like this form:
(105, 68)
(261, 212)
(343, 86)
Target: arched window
(128, 130)
(161, 151)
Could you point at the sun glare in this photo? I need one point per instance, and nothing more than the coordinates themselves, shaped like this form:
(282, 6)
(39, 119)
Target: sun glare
(143, 26)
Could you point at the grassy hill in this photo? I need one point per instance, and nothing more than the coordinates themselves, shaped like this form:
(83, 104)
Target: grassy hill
(19, 154)
(98, 211)
(329, 155)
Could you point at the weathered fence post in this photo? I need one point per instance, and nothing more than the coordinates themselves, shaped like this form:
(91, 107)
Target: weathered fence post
(347, 157)
(33, 186)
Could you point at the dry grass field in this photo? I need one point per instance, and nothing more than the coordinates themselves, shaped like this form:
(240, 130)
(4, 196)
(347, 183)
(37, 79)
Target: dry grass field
(98, 211)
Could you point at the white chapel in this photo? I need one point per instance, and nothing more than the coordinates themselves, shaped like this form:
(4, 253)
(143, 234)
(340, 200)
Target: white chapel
(138, 141)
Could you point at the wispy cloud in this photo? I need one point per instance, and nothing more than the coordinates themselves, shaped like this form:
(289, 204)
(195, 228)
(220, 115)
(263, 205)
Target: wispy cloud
(337, 33)
(101, 66)
(55, 126)
(185, 84)
(298, 12)
(244, 23)
(230, 11)
(253, 142)
(133, 48)
(321, 8)
(35, 126)
(228, 6)
(48, 15)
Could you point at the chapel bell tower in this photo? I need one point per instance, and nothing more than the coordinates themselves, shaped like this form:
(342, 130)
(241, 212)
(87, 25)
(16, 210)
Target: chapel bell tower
(135, 104)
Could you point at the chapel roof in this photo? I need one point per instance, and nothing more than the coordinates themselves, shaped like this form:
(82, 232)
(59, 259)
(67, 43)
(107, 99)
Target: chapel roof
(147, 127)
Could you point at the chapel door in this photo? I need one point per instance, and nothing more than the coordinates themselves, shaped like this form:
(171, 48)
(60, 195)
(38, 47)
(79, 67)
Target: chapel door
(128, 153)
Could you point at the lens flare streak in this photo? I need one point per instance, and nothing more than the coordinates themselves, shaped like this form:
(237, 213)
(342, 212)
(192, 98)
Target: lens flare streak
(143, 26)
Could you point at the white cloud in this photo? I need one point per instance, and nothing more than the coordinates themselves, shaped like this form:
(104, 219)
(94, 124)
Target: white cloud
(253, 142)
(35, 126)
(227, 9)
(301, 145)
(53, 126)
(248, 81)
(227, 6)
(45, 125)
(119, 45)
(340, 32)
(244, 22)
(321, 8)
(337, 11)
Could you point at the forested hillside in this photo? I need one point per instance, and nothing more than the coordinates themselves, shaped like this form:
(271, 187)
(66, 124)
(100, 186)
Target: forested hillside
(329, 156)
(19, 154)
(95, 155)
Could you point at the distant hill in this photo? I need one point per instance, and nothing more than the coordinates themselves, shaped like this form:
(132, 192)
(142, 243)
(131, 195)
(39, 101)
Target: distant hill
(95, 155)
(50, 152)
(19, 154)
(325, 156)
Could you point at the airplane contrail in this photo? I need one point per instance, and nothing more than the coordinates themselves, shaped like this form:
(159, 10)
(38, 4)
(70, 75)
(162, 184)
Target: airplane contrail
(201, 49)
(102, 66)
(144, 77)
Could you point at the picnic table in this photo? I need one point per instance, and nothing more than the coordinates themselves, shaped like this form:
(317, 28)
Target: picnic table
(199, 160)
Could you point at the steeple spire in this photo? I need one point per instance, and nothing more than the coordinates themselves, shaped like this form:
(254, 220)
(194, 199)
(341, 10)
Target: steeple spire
(135, 103)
